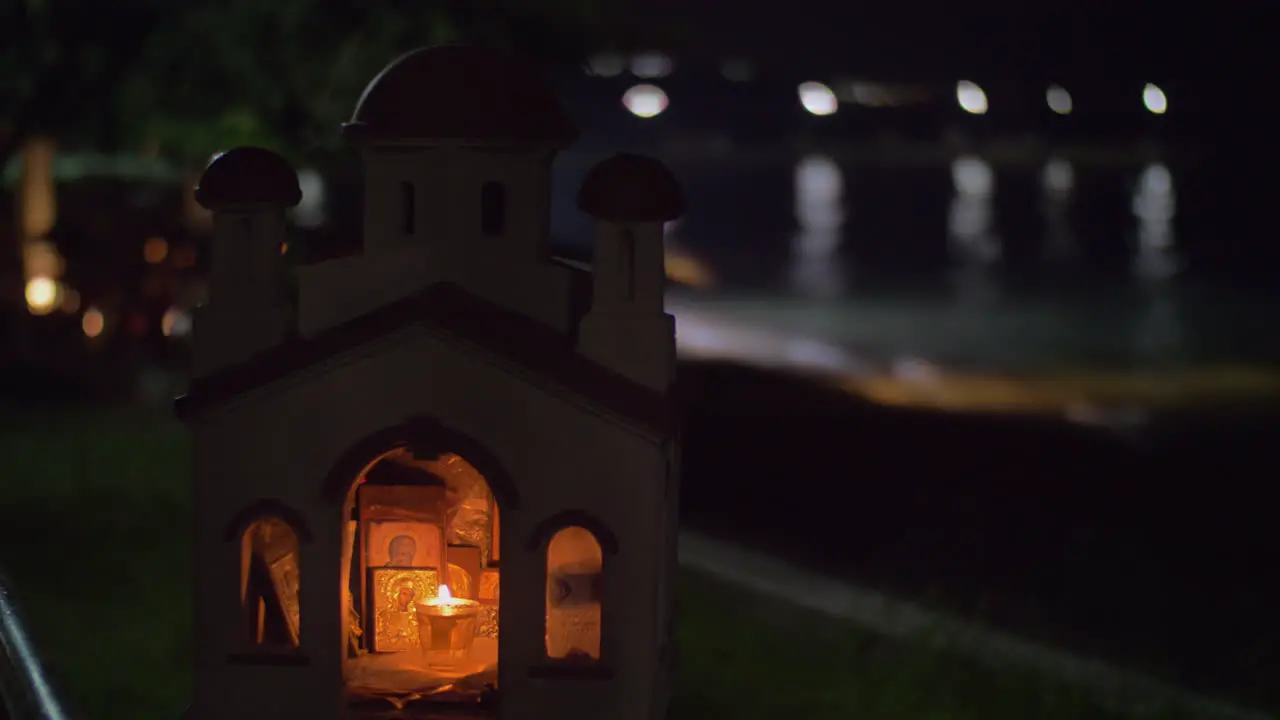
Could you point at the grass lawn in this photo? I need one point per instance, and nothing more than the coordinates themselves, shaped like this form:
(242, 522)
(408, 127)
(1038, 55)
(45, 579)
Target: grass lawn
(94, 519)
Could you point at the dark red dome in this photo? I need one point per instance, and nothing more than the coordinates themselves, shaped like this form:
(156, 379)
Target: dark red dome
(460, 92)
(248, 176)
(631, 188)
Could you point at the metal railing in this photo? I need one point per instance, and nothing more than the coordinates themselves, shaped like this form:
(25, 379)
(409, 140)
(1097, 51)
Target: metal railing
(25, 689)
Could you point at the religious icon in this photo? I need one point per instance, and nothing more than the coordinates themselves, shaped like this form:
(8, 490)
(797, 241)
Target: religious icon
(488, 625)
(464, 570)
(488, 597)
(404, 544)
(459, 578)
(488, 586)
(395, 592)
(284, 579)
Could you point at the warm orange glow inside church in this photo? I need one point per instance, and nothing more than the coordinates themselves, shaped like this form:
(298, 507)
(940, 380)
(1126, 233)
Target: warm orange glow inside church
(422, 561)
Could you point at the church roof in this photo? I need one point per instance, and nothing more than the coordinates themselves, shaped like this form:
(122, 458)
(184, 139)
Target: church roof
(629, 188)
(460, 92)
(248, 176)
(538, 348)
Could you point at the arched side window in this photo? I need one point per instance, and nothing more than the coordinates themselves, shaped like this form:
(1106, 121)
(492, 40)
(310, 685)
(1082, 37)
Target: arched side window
(270, 536)
(493, 209)
(408, 209)
(577, 546)
(575, 589)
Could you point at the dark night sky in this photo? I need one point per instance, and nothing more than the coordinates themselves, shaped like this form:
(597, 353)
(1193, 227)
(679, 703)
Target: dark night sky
(1216, 58)
(1162, 41)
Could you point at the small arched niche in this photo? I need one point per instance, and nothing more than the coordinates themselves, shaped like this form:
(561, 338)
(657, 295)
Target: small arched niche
(575, 573)
(269, 582)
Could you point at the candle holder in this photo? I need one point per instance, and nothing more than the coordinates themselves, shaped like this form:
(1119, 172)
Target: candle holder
(446, 629)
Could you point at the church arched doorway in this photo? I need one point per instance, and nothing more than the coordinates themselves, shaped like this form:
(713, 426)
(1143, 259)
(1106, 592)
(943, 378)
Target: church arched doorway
(421, 557)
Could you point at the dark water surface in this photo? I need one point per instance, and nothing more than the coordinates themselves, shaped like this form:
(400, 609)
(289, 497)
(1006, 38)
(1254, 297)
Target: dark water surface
(1031, 268)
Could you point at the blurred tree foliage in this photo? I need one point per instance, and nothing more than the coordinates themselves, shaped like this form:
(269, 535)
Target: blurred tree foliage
(190, 77)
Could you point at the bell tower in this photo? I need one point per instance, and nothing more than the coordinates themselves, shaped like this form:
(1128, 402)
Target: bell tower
(631, 197)
(248, 190)
(457, 143)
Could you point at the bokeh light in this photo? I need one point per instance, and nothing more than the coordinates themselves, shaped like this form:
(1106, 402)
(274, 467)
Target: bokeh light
(310, 211)
(1154, 99)
(41, 259)
(175, 323)
(1058, 177)
(1059, 100)
(155, 250)
(93, 322)
(645, 101)
(606, 65)
(817, 98)
(41, 295)
(971, 98)
(651, 65)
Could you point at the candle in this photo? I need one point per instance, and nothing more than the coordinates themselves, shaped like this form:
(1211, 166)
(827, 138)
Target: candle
(446, 628)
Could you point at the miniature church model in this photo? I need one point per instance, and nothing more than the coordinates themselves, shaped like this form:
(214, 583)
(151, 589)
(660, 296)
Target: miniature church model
(439, 476)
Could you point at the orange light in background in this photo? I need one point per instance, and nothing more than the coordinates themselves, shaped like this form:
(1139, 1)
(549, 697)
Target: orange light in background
(93, 322)
(42, 295)
(41, 259)
(284, 248)
(155, 250)
(688, 271)
(37, 193)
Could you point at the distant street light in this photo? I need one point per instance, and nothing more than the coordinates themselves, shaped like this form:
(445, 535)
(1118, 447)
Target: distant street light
(645, 101)
(1154, 98)
(41, 295)
(971, 98)
(1059, 100)
(817, 99)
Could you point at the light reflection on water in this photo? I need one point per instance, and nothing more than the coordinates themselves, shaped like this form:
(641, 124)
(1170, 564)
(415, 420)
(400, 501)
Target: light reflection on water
(986, 345)
(820, 212)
